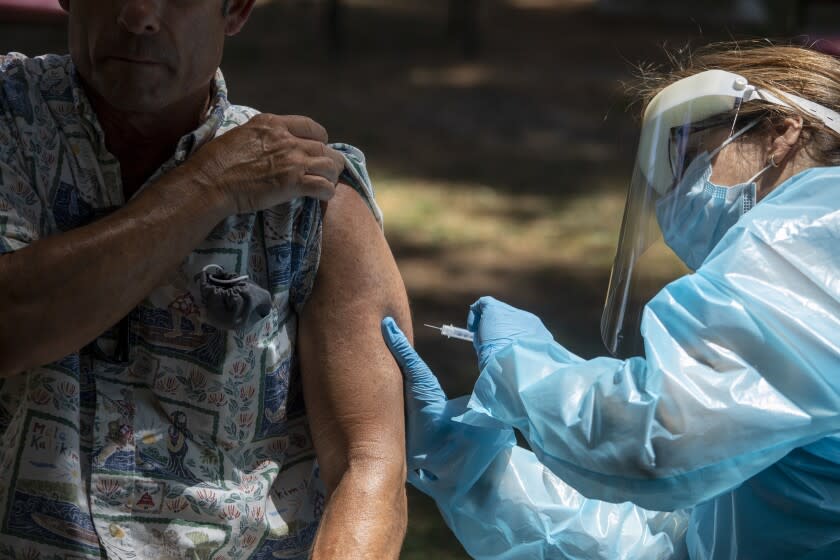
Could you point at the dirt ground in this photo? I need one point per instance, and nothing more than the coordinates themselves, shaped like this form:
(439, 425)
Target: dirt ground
(503, 174)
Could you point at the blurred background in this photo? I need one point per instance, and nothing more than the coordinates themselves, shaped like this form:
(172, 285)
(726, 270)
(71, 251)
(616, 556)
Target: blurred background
(498, 135)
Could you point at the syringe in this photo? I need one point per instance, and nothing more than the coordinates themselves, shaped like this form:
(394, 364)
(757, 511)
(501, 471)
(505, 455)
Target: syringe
(451, 331)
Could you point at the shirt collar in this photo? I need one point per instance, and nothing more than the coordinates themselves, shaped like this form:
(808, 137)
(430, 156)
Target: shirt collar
(83, 106)
(213, 118)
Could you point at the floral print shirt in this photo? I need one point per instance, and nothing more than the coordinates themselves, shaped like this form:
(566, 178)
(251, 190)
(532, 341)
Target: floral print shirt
(165, 438)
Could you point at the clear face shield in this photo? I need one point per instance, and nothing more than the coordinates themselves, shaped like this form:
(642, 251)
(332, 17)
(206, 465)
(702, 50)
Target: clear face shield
(674, 215)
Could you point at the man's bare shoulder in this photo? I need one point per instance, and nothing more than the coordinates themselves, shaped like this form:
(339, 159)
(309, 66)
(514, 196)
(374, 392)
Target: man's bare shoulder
(355, 250)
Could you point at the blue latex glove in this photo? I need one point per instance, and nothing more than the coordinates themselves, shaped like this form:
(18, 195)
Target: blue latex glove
(497, 325)
(445, 457)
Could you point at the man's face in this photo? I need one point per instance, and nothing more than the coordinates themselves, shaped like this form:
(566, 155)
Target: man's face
(145, 55)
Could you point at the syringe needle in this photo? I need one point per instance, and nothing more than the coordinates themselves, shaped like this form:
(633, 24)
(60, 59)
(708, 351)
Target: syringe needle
(433, 327)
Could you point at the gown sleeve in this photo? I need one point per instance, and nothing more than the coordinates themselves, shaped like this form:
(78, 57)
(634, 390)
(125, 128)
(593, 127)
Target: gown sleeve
(518, 509)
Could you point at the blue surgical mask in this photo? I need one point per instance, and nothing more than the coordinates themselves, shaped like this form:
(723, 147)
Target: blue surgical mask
(696, 214)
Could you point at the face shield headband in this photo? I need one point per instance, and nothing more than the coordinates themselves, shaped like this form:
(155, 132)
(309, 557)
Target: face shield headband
(705, 96)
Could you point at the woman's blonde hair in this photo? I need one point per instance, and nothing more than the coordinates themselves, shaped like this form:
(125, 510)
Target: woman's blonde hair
(780, 69)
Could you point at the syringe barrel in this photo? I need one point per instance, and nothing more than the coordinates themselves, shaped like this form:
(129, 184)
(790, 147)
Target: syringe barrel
(456, 332)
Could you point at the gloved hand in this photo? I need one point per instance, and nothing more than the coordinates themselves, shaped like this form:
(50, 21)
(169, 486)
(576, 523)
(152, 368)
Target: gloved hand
(445, 457)
(497, 324)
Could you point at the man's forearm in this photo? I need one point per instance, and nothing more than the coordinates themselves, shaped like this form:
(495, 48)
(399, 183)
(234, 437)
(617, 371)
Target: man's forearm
(94, 275)
(367, 513)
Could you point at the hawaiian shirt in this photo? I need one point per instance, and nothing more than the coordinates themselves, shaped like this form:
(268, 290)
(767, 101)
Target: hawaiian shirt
(166, 437)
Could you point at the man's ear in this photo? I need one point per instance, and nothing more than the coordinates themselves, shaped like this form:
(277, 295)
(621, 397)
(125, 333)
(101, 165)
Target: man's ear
(65, 5)
(238, 12)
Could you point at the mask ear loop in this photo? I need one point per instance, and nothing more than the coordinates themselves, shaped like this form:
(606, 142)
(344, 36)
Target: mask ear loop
(771, 163)
(760, 173)
(733, 138)
(747, 203)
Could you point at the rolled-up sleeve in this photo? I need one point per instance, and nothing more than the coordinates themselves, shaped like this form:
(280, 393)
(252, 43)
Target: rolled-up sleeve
(308, 220)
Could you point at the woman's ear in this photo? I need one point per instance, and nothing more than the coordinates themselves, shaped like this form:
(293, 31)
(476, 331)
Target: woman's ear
(784, 139)
(238, 12)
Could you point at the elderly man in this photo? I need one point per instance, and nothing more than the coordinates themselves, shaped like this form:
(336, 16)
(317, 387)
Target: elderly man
(173, 284)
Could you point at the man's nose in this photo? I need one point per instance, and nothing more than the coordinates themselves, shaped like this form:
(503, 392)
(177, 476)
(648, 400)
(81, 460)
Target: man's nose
(141, 17)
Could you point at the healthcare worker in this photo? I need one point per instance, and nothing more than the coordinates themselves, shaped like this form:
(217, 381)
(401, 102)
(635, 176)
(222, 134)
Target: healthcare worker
(712, 433)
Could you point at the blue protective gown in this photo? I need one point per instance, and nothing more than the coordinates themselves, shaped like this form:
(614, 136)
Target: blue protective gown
(518, 509)
(729, 420)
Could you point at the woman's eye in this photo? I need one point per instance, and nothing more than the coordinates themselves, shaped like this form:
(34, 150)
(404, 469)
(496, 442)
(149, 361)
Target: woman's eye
(689, 156)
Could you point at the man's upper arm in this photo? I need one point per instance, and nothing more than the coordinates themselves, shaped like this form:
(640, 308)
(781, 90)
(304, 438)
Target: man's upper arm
(352, 386)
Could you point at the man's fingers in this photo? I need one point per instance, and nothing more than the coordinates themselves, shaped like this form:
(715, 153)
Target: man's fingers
(322, 160)
(334, 155)
(313, 148)
(337, 157)
(315, 186)
(305, 128)
(324, 167)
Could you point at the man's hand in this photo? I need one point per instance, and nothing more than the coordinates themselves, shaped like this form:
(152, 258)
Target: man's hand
(268, 161)
(109, 266)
